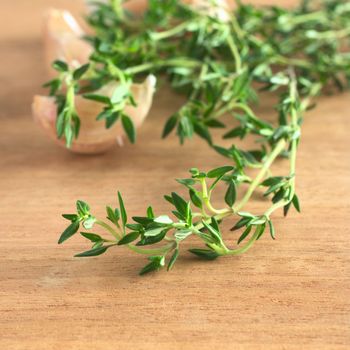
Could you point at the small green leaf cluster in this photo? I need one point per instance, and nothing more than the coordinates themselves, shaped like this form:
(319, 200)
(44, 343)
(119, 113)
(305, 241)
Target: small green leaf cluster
(281, 188)
(252, 222)
(72, 83)
(114, 108)
(68, 121)
(82, 216)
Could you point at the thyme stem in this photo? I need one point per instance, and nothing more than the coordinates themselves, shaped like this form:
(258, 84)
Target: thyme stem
(273, 155)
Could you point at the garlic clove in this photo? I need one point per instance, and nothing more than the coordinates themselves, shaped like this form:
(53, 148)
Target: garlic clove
(94, 138)
(63, 40)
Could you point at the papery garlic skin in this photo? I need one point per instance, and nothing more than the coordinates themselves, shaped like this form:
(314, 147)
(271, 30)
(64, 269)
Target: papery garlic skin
(94, 138)
(63, 40)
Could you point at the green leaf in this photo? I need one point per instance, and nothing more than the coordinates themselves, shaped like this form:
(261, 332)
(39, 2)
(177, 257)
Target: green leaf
(129, 128)
(105, 114)
(216, 235)
(68, 134)
(236, 132)
(215, 182)
(169, 126)
(154, 232)
(152, 239)
(286, 208)
(179, 216)
(71, 217)
(296, 203)
(93, 237)
(173, 259)
(223, 151)
(60, 123)
(144, 221)
(180, 235)
(98, 98)
(60, 66)
(150, 213)
(231, 194)
(169, 199)
(113, 215)
(122, 210)
(272, 229)
(54, 86)
(97, 244)
(134, 227)
(219, 171)
(203, 132)
(195, 199)
(93, 252)
(242, 222)
(76, 125)
(273, 188)
(163, 219)
(83, 208)
(179, 203)
(245, 214)
(258, 220)
(156, 263)
(186, 182)
(204, 253)
(213, 123)
(244, 234)
(194, 171)
(71, 230)
(119, 94)
(271, 181)
(278, 196)
(78, 73)
(260, 229)
(112, 119)
(189, 214)
(130, 237)
(249, 157)
(186, 127)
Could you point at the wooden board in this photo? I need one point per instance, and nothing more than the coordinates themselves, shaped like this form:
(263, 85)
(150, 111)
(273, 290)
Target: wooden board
(292, 293)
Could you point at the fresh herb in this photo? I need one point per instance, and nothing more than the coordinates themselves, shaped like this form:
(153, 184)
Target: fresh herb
(219, 65)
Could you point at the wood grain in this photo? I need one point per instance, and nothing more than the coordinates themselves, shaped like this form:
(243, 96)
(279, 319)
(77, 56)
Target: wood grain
(292, 293)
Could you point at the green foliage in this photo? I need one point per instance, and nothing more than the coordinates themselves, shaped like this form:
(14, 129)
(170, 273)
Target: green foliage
(212, 61)
(218, 65)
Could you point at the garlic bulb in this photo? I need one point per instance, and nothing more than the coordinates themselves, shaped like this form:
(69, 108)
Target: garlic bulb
(63, 40)
(94, 137)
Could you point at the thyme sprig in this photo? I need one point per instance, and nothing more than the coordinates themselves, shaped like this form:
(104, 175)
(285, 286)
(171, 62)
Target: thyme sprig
(197, 215)
(218, 64)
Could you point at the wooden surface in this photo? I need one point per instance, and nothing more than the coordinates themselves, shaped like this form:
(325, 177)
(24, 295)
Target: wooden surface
(292, 293)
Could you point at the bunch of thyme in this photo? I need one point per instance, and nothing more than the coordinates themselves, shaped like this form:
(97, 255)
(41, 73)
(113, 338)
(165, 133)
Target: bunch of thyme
(220, 65)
